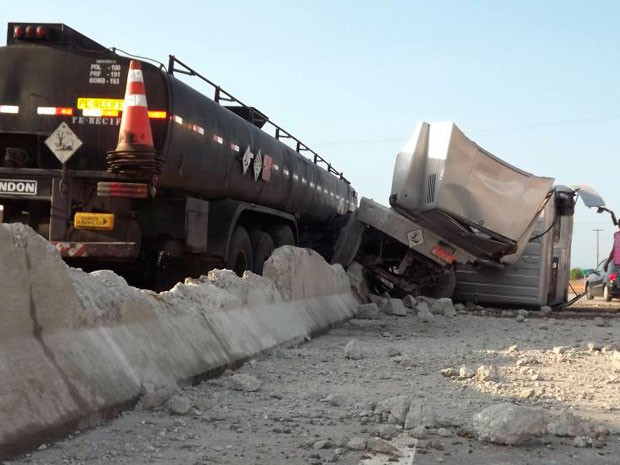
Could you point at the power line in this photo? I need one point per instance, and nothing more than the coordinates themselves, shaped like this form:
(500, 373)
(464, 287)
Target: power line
(359, 141)
(585, 119)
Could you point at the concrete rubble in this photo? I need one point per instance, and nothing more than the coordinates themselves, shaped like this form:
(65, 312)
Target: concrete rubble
(359, 280)
(354, 350)
(443, 306)
(510, 424)
(424, 312)
(368, 312)
(394, 307)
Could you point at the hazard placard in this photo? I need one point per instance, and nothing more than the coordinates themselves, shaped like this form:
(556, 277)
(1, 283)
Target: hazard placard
(258, 165)
(415, 238)
(247, 159)
(63, 142)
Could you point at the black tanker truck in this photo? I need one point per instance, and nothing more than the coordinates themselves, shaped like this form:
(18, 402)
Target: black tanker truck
(222, 192)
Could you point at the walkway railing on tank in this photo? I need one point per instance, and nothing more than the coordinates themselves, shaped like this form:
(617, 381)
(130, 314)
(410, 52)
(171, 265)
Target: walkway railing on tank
(253, 115)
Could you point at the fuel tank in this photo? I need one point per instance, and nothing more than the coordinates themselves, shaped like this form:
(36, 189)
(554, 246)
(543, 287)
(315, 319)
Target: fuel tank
(207, 150)
(212, 151)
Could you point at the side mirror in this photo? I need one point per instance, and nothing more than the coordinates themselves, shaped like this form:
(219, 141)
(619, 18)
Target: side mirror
(587, 272)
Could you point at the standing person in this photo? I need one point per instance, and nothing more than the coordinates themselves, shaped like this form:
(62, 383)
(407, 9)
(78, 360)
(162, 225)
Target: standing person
(615, 251)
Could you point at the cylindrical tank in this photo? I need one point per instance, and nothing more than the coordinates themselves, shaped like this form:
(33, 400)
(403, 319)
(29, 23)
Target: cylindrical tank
(204, 153)
(202, 144)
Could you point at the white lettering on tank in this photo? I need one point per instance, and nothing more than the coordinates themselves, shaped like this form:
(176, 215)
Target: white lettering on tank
(96, 120)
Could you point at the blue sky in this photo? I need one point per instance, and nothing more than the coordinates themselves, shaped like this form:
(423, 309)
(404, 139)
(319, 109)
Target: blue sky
(533, 82)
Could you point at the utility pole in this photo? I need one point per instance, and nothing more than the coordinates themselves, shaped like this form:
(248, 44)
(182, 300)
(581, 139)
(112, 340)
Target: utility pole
(597, 231)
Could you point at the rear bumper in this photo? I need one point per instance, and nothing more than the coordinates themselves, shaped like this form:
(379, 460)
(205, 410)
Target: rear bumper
(103, 250)
(37, 184)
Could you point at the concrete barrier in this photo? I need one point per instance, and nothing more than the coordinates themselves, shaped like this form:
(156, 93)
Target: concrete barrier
(75, 345)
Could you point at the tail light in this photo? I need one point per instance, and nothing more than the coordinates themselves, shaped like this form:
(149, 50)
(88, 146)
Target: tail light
(18, 32)
(41, 32)
(612, 276)
(122, 189)
(31, 32)
(55, 111)
(443, 254)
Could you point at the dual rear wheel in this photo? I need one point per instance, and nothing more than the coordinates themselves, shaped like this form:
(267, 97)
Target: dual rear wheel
(250, 250)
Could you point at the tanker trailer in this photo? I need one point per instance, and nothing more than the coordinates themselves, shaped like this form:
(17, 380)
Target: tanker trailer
(221, 191)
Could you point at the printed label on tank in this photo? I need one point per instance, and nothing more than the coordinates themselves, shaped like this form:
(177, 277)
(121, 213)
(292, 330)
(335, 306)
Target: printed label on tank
(18, 186)
(258, 165)
(92, 103)
(247, 159)
(104, 71)
(96, 120)
(63, 142)
(415, 238)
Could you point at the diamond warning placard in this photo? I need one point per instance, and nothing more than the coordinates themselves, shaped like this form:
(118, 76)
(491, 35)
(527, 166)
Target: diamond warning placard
(415, 238)
(63, 142)
(258, 165)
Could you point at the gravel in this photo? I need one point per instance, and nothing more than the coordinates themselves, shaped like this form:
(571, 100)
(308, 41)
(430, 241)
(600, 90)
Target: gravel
(397, 389)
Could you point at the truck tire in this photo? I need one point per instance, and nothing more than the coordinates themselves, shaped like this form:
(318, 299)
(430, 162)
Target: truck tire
(606, 293)
(589, 295)
(282, 235)
(262, 248)
(239, 257)
(444, 287)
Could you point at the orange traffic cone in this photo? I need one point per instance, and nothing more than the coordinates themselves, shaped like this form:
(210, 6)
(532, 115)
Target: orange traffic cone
(135, 153)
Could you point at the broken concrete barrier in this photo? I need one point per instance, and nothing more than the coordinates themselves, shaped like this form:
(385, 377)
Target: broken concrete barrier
(74, 345)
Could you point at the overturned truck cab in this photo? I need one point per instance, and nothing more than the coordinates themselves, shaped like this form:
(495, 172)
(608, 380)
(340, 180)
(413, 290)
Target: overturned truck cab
(464, 223)
(540, 275)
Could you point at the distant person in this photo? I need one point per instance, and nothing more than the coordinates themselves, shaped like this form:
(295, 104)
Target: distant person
(615, 251)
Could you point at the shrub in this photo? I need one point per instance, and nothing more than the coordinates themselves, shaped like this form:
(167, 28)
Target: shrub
(576, 273)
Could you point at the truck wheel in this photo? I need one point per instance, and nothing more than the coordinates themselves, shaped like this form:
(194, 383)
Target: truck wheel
(240, 256)
(262, 246)
(606, 293)
(282, 235)
(589, 295)
(444, 287)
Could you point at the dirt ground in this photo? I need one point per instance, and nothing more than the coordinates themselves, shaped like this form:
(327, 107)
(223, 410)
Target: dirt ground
(578, 285)
(309, 404)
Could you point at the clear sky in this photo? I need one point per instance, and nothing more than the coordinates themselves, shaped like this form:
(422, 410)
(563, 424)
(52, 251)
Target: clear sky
(534, 82)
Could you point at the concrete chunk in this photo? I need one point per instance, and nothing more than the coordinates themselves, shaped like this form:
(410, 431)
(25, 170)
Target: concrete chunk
(509, 424)
(353, 350)
(368, 312)
(395, 307)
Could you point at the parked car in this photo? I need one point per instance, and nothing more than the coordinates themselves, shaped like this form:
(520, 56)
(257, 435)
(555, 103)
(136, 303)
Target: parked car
(603, 283)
